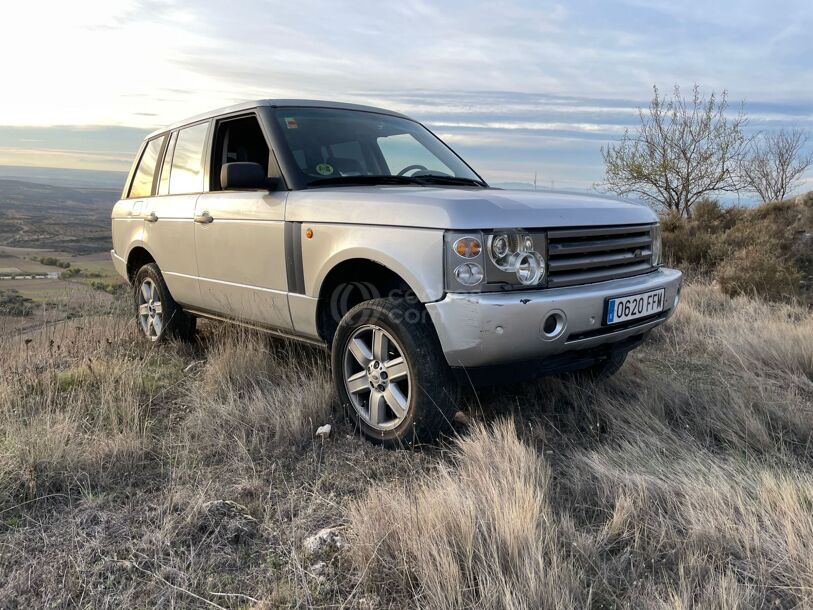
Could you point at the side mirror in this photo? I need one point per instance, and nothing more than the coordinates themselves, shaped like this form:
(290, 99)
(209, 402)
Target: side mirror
(245, 175)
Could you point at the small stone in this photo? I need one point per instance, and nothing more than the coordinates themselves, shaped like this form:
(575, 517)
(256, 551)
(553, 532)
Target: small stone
(324, 542)
(323, 432)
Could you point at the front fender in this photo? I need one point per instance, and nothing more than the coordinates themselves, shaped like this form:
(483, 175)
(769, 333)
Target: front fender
(415, 254)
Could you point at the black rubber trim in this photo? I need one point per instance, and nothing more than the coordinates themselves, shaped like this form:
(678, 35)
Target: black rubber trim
(293, 257)
(615, 328)
(528, 370)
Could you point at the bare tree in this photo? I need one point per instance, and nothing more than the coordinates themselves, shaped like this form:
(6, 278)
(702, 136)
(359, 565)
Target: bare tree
(682, 151)
(776, 163)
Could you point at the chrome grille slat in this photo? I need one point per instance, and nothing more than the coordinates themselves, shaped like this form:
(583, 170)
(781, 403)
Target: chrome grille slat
(599, 245)
(593, 231)
(597, 260)
(597, 254)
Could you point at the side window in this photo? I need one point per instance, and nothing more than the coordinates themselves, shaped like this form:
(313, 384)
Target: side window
(187, 160)
(142, 181)
(163, 184)
(238, 140)
(403, 150)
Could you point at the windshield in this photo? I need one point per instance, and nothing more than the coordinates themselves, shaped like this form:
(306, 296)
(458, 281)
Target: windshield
(331, 146)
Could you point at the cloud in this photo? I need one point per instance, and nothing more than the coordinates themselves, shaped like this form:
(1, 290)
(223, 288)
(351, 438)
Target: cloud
(519, 86)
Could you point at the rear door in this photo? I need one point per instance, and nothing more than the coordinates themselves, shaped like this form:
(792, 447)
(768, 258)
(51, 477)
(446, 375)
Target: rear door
(239, 235)
(169, 216)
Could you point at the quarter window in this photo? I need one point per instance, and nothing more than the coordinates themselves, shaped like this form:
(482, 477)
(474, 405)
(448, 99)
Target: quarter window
(187, 161)
(143, 179)
(163, 183)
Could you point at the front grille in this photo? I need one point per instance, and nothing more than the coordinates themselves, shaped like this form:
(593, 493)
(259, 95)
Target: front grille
(597, 254)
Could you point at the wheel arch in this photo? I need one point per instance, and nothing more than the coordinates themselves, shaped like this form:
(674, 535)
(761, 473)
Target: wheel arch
(137, 257)
(352, 281)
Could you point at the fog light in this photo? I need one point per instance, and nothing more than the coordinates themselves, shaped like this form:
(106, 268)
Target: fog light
(469, 274)
(553, 325)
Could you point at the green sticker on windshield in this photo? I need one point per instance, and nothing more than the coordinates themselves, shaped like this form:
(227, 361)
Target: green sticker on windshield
(325, 169)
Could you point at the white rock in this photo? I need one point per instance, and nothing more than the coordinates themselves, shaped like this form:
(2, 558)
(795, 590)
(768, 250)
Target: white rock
(323, 432)
(327, 540)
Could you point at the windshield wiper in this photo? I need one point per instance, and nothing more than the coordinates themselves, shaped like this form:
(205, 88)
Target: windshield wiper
(438, 179)
(364, 179)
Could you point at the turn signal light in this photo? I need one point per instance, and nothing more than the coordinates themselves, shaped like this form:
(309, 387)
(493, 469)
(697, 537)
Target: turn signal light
(468, 247)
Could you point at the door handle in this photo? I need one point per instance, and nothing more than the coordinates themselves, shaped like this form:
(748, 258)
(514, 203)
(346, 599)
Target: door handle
(151, 217)
(204, 218)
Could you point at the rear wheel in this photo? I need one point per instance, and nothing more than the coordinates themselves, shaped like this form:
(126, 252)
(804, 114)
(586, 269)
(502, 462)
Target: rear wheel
(391, 375)
(157, 314)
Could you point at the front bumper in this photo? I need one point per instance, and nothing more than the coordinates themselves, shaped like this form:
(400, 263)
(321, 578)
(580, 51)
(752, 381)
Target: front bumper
(481, 329)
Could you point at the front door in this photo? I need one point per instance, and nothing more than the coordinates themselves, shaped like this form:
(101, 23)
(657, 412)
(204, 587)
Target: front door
(239, 235)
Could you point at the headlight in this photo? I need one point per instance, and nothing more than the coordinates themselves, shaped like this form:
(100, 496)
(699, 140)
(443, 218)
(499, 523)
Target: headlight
(516, 253)
(501, 259)
(657, 246)
(529, 267)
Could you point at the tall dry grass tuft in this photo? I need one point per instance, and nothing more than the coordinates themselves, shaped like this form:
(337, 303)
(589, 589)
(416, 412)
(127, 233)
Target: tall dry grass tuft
(477, 533)
(256, 395)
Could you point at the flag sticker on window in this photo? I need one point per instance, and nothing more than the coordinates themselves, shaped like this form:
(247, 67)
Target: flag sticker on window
(291, 122)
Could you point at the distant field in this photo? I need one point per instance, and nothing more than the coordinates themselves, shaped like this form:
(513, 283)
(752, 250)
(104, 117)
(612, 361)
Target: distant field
(75, 220)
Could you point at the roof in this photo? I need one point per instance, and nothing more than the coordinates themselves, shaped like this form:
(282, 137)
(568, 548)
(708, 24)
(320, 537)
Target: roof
(274, 104)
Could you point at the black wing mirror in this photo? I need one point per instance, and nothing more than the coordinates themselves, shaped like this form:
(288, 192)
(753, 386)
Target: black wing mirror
(245, 175)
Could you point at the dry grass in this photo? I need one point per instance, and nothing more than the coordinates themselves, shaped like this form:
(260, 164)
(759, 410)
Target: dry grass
(684, 482)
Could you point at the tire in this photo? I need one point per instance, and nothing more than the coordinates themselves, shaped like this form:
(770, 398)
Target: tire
(391, 375)
(158, 316)
(604, 369)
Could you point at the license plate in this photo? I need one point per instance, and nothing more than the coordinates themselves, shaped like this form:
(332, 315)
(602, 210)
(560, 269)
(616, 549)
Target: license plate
(622, 309)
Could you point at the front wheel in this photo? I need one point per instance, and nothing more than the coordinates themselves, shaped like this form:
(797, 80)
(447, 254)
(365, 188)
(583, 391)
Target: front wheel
(390, 373)
(157, 314)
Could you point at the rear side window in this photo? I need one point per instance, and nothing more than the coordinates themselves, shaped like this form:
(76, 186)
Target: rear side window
(186, 175)
(142, 181)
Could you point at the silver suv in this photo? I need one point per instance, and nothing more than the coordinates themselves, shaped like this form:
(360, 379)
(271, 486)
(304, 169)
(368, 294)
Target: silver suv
(357, 229)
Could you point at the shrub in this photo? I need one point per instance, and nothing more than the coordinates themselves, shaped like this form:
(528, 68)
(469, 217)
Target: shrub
(767, 250)
(755, 271)
(12, 303)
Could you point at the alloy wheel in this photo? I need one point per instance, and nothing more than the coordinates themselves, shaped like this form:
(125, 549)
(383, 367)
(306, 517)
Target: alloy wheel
(377, 377)
(150, 311)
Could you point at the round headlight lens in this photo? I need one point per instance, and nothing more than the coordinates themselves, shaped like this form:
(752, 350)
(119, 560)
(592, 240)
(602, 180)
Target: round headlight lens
(468, 247)
(529, 267)
(527, 243)
(469, 274)
(500, 246)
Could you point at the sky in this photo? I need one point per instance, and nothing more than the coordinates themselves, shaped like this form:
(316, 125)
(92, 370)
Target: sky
(518, 88)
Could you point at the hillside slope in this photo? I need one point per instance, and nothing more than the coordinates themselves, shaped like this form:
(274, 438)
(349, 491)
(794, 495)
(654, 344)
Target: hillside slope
(133, 475)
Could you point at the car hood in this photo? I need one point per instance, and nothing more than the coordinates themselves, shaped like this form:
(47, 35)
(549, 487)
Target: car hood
(460, 208)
